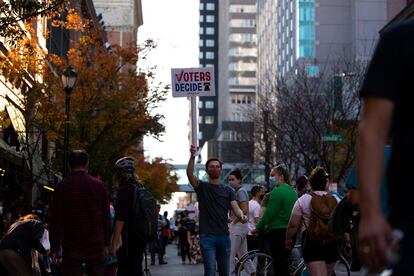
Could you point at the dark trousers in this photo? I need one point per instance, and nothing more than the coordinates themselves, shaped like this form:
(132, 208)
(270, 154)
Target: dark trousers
(164, 243)
(156, 246)
(72, 263)
(276, 243)
(130, 259)
(256, 243)
(185, 250)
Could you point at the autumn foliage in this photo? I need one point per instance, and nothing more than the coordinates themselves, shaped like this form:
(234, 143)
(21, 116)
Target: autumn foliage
(112, 104)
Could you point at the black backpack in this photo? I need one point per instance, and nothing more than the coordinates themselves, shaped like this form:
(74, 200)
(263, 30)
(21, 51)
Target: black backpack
(144, 216)
(191, 225)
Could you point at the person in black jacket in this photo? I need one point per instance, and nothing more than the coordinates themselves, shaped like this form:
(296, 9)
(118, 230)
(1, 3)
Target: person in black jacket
(125, 245)
(17, 244)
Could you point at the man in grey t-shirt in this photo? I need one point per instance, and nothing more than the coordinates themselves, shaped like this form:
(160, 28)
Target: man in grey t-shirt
(215, 199)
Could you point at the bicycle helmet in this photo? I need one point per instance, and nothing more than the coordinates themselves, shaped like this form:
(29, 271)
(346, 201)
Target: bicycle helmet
(126, 164)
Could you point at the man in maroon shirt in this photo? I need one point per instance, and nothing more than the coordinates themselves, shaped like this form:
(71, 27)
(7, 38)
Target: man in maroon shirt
(80, 222)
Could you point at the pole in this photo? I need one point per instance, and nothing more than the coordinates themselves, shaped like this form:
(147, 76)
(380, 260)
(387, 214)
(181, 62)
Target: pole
(194, 139)
(267, 147)
(66, 134)
(331, 169)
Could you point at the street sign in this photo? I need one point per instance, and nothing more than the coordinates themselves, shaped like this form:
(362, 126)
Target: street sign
(332, 138)
(192, 82)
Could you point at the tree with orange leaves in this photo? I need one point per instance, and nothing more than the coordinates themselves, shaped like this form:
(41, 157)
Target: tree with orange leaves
(158, 177)
(15, 13)
(112, 105)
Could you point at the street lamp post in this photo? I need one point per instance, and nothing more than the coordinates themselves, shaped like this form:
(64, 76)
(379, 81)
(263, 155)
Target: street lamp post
(267, 147)
(68, 81)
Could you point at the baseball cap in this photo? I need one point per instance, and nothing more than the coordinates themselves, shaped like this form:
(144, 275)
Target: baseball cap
(126, 164)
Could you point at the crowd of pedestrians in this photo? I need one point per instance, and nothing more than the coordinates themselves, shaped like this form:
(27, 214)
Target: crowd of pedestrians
(89, 232)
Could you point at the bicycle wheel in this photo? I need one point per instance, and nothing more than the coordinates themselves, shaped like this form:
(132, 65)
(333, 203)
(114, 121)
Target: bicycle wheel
(261, 261)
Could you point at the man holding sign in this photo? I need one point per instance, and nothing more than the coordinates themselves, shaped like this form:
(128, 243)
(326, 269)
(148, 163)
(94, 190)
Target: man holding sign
(214, 199)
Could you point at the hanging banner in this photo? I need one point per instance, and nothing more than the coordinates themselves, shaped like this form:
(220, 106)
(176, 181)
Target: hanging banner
(192, 82)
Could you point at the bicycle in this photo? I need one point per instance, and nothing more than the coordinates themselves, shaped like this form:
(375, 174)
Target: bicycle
(262, 261)
(297, 267)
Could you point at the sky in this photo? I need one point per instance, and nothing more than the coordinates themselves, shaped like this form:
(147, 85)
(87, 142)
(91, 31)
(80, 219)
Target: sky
(173, 25)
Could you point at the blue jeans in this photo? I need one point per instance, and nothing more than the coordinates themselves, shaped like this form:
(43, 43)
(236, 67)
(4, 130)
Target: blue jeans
(215, 248)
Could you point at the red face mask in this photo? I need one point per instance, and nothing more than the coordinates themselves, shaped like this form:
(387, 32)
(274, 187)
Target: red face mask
(214, 173)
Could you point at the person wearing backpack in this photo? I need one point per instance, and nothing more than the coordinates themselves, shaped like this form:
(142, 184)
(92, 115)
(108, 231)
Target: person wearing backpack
(125, 244)
(310, 216)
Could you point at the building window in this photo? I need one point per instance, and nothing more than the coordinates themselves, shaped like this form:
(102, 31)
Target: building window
(242, 66)
(242, 8)
(209, 55)
(306, 29)
(209, 104)
(201, 18)
(210, 30)
(200, 135)
(200, 104)
(312, 70)
(210, 43)
(236, 116)
(243, 52)
(201, 43)
(200, 120)
(243, 37)
(201, 55)
(242, 23)
(242, 81)
(209, 120)
(210, 18)
(201, 6)
(201, 31)
(209, 65)
(210, 6)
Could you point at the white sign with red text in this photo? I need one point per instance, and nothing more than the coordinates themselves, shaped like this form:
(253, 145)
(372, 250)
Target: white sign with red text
(192, 82)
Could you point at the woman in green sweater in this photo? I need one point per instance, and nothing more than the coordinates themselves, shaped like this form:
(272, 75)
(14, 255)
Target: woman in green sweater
(276, 218)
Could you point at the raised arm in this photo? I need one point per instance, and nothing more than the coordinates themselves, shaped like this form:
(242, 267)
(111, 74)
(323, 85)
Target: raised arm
(190, 168)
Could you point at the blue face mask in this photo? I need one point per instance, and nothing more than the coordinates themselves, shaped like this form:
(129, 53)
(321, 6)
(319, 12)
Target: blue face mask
(273, 181)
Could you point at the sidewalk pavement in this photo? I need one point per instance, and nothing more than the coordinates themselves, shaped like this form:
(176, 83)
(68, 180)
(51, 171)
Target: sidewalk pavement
(174, 266)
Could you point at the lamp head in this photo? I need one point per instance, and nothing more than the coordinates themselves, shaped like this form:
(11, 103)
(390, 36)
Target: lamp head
(69, 79)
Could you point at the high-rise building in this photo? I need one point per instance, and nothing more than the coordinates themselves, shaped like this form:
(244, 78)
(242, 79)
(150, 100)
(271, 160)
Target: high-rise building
(316, 33)
(235, 66)
(208, 57)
